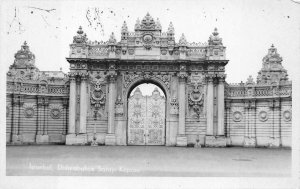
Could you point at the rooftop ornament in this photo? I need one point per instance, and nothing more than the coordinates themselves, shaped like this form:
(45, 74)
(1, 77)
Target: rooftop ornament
(80, 37)
(214, 39)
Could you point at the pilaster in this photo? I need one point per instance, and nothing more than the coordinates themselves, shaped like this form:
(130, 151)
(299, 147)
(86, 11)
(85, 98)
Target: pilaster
(110, 138)
(83, 105)
(181, 139)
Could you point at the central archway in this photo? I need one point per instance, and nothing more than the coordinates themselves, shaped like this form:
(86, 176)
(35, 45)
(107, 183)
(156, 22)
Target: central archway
(146, 124)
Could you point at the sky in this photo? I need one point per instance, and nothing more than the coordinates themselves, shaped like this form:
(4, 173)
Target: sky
(248, 28)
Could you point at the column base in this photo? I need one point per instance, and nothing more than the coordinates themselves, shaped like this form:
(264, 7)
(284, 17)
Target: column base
(215, 141)
(274, 143)
(181, 140)
(249, 142)
(42, 139)
(228, 141)
(73, 139)
(110, 140)
(16, 139)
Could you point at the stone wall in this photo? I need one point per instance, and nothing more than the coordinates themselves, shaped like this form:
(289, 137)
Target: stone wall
(262, 121)
(36, 102)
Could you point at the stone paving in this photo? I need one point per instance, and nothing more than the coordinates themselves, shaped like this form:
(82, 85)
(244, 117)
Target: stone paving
(147, 161)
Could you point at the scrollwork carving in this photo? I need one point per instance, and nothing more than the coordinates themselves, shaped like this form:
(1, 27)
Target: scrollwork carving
(196, 97)
(97, 93)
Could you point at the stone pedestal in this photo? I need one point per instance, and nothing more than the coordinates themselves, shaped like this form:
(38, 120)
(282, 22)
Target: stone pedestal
(274, 143)
(228, 141)
(73, 139)
(181, 140)
(110, 140)
(249, 142)
(42, 139)
(17, 139)
(215, 141)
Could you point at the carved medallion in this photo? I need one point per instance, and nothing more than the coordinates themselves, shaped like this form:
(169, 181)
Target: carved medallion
(29, 110)
(287, 115)
(55, 110)
(237, 116)
(263, 116)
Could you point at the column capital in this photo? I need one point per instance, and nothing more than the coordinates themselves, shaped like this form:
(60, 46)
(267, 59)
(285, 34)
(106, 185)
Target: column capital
(221, 77)
(210, 78)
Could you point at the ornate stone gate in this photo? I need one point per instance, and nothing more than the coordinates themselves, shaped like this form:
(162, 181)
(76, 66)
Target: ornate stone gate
(103, 73)
(146, 119)
(91, 102)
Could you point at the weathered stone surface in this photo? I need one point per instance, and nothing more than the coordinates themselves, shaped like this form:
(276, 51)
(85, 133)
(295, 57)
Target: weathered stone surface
(215, 141)
(73, 139)
(110, 139)
(42, 139)
(181, 141)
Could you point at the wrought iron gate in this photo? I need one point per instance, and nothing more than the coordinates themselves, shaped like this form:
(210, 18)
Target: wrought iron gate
(146, 119)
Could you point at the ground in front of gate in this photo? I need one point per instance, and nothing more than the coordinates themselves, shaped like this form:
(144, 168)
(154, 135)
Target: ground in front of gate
(147, 161)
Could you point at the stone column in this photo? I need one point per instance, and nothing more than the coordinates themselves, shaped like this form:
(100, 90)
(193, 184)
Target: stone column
(110, 138)
(16, 116)
(209, 107)
(71, 137)
(214, 137)
(221, 107)
(83, 106)
(181, 138)
(72, 106)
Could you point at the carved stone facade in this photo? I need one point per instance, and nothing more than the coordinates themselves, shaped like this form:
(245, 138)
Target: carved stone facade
(92, 103)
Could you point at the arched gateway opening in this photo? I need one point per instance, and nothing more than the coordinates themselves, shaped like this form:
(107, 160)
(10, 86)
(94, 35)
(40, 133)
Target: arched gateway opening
(146, 124)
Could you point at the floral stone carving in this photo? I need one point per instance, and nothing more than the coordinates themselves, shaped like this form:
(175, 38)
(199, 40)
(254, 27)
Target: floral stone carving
(55, 111)
(29, 110)
(97, 93)
(196, 99)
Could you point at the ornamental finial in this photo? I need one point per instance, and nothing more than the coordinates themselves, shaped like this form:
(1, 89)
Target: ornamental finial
(171, 28)
(215, 33)
(80, 37)
(112, 38)
(182, 40)
(124, 27)
(137, 24)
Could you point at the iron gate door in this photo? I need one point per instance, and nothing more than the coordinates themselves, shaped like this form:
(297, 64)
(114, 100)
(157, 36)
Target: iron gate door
(146, 119)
